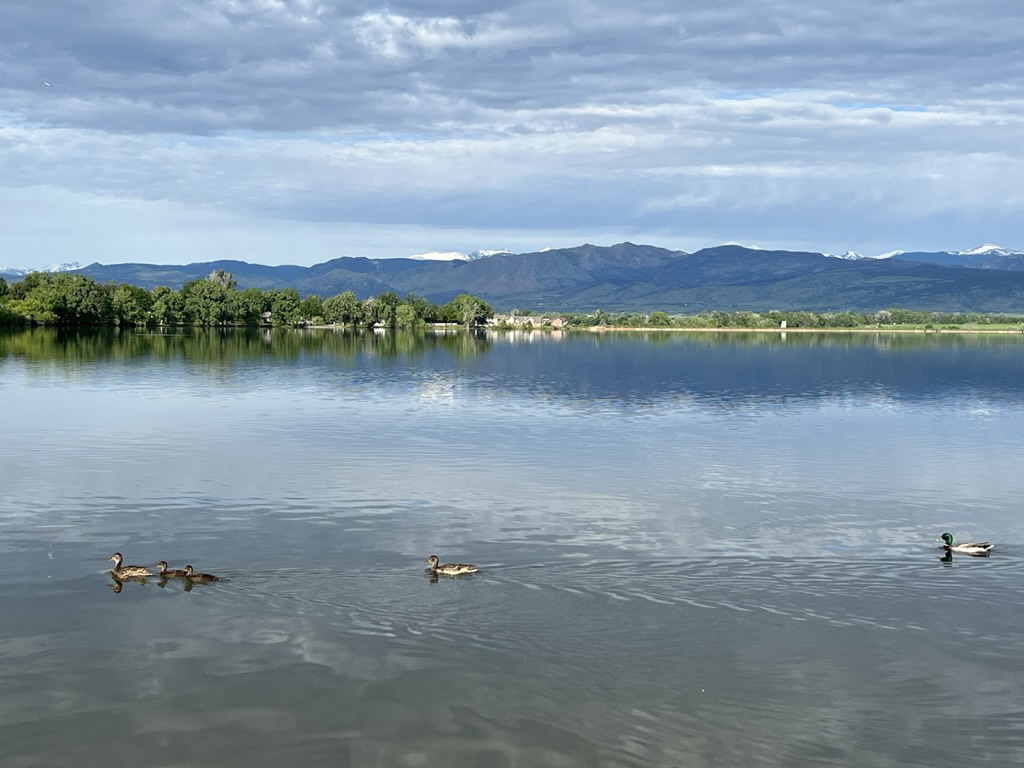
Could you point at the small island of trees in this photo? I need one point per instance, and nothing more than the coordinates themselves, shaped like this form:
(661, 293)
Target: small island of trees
(64, 299)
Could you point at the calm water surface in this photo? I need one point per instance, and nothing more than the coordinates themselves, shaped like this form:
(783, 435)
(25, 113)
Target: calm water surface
(706, 550)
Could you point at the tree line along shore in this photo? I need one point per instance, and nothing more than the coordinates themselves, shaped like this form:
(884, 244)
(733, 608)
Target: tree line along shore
(62, 299)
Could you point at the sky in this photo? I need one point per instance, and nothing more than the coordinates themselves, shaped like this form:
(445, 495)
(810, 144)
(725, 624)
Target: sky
(297, 131)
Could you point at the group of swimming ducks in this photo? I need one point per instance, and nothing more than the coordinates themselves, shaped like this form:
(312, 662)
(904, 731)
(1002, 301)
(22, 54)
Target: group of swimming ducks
(125, 572)
(122, 572)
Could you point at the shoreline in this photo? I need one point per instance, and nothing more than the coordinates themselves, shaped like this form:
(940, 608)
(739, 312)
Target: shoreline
(923, 331)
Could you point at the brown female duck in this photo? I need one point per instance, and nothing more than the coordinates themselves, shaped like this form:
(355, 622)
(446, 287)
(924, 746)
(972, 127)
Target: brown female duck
(450, 569)
(126, 571)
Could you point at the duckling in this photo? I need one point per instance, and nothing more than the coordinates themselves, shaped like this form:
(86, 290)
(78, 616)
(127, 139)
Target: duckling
(450, 569)
(172, 573)
(202, 578)
(126, 571)
(976, 548)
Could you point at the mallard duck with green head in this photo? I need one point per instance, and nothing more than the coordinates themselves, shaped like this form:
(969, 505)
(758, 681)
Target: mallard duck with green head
(975, 548)
(126, 571)
(199, 578)
(450, 569)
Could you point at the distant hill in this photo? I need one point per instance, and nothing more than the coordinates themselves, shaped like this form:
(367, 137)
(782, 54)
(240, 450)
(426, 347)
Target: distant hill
(629, 277)
(983, 257)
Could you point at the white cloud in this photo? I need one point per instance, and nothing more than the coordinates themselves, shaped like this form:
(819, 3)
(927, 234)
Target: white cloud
(394, 36)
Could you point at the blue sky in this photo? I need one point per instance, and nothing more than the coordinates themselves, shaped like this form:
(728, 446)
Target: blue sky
(295, 131)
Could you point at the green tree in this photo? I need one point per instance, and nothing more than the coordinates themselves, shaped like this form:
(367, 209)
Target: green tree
(37, 304)
(424, 309)
(745, 319)
(845, 320)
(384, 309)
(205, 302)
(433, 313)
(343, 309)
(369, 310)
(800, 319)
(167, 306)
(3, 289)
(406, 317)
(312, 309)
(31, 281)
(70, 299)
(17, 291)
(659, 319)
(131, 305)
(247, 306)
(909, 317)
(470, 310)
(720, 319)
(284, 307)
(91, 302)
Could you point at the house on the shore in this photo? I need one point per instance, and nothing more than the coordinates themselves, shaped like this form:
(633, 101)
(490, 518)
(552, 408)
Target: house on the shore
(520, 322)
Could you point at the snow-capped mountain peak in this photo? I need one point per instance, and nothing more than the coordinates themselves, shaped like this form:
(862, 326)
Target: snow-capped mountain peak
(70, 266)
(441, 256)
(456, 255)
(986, 249)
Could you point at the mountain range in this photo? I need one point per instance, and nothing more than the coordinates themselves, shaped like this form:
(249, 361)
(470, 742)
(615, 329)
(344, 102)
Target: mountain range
(629, 277)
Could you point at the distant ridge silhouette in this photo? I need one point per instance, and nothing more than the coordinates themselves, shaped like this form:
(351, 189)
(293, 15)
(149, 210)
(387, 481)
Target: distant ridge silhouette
(629, 277)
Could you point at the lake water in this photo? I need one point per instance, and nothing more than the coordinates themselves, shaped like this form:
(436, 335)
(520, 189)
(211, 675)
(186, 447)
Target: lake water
(695, 550)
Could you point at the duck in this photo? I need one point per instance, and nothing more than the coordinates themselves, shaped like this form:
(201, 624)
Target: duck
(450, 569)
(202, 578)
(169, 573)
(976, 548)
(126, 571)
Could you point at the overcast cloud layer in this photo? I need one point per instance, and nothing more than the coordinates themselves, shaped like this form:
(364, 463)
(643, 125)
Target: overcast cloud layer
(295, 131)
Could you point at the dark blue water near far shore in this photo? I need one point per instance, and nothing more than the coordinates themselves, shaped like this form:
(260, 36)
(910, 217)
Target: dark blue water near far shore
(754, 366)
(695, 549)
